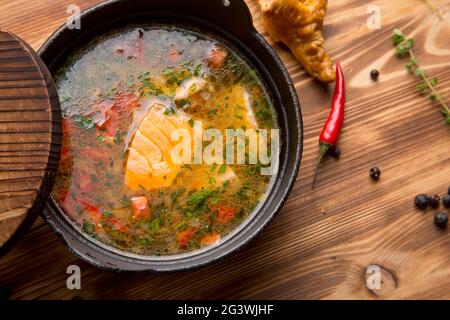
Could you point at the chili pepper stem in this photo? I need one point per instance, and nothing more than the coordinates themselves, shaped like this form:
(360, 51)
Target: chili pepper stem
(323, 149)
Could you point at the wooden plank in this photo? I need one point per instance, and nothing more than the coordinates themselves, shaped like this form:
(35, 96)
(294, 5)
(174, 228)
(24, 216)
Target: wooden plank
(321, 243)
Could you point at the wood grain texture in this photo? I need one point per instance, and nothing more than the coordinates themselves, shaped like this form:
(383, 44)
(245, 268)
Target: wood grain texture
(28, 102)
(322, 242)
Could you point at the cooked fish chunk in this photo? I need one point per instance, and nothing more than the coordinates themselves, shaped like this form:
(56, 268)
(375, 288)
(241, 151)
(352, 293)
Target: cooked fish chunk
(190, 87)
(149, 164)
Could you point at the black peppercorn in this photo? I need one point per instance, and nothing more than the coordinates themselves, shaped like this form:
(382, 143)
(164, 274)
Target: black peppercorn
(375, 173)
(374, 74)
(446, 201)
(441, 219)
(335, 152)
(421, 201)
(434, 201)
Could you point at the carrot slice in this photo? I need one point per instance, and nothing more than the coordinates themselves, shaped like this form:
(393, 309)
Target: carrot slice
(210, 240)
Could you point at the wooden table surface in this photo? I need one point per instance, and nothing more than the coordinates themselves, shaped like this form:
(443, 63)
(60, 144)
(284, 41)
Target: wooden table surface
(321, 243)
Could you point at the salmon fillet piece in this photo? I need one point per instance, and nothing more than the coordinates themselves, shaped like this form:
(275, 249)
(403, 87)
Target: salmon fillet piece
(149, 164)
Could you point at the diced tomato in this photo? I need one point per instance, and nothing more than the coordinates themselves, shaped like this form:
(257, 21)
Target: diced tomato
(140, 208)
(65, 156)
(66, 123)
(217, 57)
(224, 214)
(99, 110)
(105, 117)
(210, 240)
(111, 124)
(118, 225)
(94, 212)
(185, 236)
(70, 128)
(108, 112)
(65, 150)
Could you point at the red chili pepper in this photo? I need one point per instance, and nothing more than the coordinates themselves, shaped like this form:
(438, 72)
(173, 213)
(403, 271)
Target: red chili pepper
(332, 128)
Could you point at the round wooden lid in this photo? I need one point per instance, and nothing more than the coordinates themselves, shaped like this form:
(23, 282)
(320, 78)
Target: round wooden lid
(30, 137)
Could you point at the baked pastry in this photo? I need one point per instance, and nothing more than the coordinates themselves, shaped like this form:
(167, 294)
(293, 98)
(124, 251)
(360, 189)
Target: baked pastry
(298, 24)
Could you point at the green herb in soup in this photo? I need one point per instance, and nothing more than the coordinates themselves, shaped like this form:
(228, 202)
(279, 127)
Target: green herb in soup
(123, 98)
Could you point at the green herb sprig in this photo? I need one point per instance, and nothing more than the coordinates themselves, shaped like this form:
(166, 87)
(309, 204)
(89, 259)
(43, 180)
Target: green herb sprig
(84, 122)
(404, 48)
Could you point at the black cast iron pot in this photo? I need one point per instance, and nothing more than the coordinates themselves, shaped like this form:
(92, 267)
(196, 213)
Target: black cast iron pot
(231, 21)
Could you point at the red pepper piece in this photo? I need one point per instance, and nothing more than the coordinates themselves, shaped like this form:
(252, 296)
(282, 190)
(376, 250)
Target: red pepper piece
(185, 236)
(118, 225)
(111, 124)
(70, 128)
(109, 112)
(332, 128)
(224, 214)
(94, 212)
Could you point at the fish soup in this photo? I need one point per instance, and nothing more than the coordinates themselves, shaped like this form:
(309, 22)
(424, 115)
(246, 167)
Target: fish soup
(123, 99)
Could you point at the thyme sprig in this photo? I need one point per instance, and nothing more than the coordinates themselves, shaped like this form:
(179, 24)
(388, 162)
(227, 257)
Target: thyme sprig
(404, 48)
